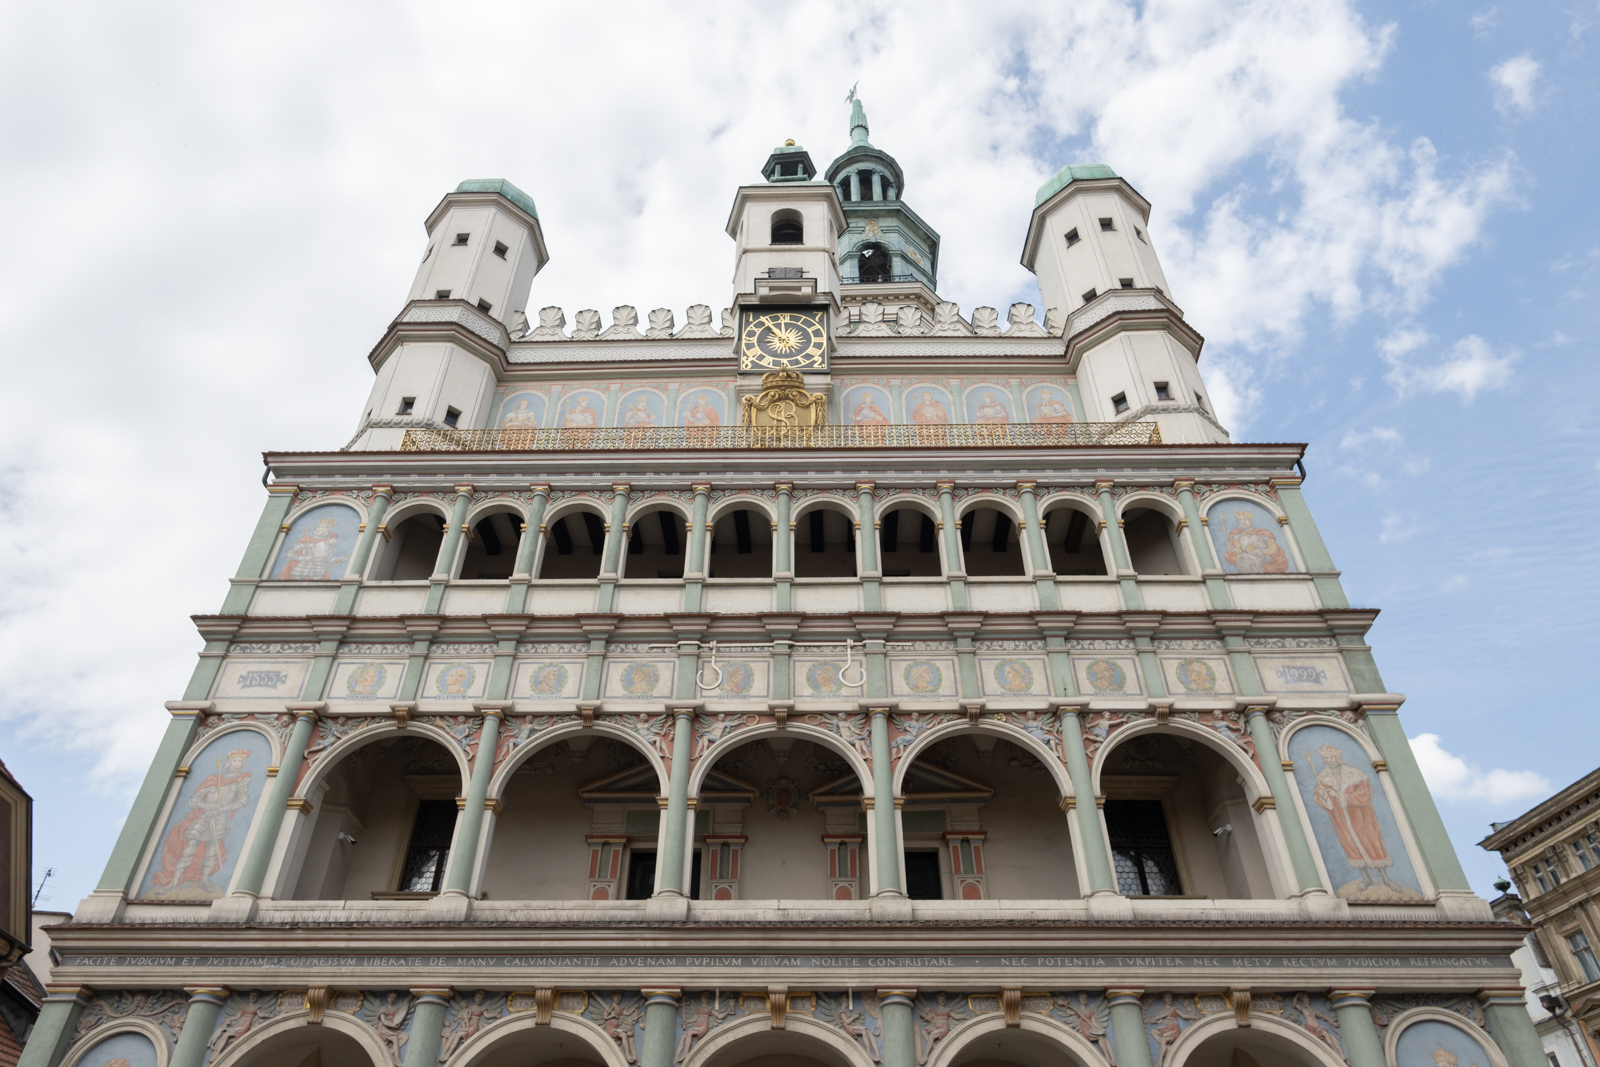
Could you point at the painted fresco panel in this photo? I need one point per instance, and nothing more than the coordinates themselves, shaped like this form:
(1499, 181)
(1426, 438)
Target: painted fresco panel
(640, 679)
(547, 679)
(318, 546)
(866, 405)
(268, 679)
(456, 680)
(1354, 826)
(1107, 675)
(989, 403)
(1302, 674)
(1012, 676)
(204, 833)
(367, 679)
(922, 676)
(1196, 675)
(1248, 539)
(740, 678)
(702, 407)
(1435, 1043)
(121, 1050)
(823, 676)
(642, 407)
(1049, 403)
(522, 411)
(928, 404)
(582, 409)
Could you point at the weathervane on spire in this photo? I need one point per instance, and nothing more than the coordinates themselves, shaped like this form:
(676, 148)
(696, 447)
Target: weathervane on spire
(850, 99)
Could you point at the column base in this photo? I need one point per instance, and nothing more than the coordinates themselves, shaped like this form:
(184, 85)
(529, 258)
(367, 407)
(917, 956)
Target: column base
(452, 905)
(667, 906)
(101, 906)
(1463, 905)
(1105, 904)
(1318, 903)
(891, 905)
(233, 908)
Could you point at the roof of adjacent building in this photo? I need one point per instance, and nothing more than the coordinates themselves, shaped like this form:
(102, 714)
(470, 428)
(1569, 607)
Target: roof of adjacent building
(1070, 173)
(1547, 816)
(504, 188)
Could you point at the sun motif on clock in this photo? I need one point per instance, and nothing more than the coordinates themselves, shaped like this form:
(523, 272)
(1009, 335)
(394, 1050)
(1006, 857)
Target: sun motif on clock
(784, 340)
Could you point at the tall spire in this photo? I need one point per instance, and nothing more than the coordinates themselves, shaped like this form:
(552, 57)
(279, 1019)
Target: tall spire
(858, 118)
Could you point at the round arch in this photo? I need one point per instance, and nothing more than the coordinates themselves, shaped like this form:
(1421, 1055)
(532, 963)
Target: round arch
(1051, 761)
(335, 753)
(522, 1031)
(1044, 1030)
(835, 501)
(411, 508)
(658, 503)
(1062, 497)
(1271, 507)
(1212, 1026)
(816, 735)
(284, 1027)
(908, 500)
(1006, 505)
(749, 502)
(299, 510)
(1146, 498)
(1325, 720)
(495, 505)
(143, 1027)
(200, 743)
(559, 511)
(1406, 1019)
(1256, 784)
(545, 738)
(753, 1036)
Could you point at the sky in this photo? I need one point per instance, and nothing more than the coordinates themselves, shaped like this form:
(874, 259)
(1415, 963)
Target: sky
(1379, 215)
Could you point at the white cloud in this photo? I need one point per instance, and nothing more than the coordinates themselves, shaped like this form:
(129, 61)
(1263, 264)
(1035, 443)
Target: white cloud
(1467, 369)
(1395, 529)
(1514, 84)
(1452, 778)
(1485, 21)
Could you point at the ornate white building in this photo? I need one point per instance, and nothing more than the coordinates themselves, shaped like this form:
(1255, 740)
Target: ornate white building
(846, 679)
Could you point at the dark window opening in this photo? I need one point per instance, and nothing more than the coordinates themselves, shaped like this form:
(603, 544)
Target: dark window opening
(655, 545)
(1073, 545)
(907, 540)
(1142, 849)
(1201, 401)
(429, 847)
(412, 550)
(500, 249)
(641, 875)
(441, 294)
(788, 228)
(407, 403)
(579, 540)
(922, 876)
(1138, 233)
(844, 190)
(1120, 403)
(875, 264)
(462, 238)
(694, 875)
(1106, 225)
(1162, 392)
(989, 543)
(830, 538)
(484, 305)
(741, 546)
(451, 417)
(1152, 548)
(1126, 283)
(1090, 295)
(492, 552)
(1072, 237)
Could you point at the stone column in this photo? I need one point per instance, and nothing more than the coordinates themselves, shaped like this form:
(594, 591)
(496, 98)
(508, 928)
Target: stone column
(1318, 562)
(1383, 724)
(616, 540)
(674, 828)
(1200, 538)
(56, 1027)
(899, 1027)
(783, 549)
(464, 849)
(1097, 866)
(1044, 576)
(1143, 628)
(205, 1004)
(528, 551)
(421, 629)
(265, 535)
(445, 565)
(660, 1027)
(1294, 830)
(1361, 1042)
(350, 584)
(855, 185)
(877, 185)
(1127, 1022)
(885, 845)
(1506, 1012)
(1119, 547)
(694, 571)
(867, 549)
(427, 1025)
(253, 866)
(950, 533)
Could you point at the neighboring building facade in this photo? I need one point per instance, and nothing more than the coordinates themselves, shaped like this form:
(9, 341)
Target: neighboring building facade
(848, 681)
(1558, 1031)
(20, 993)
(1553, 854)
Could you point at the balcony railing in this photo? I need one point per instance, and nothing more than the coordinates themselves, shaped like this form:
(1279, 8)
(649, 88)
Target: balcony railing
(879, 281)
(671, 438)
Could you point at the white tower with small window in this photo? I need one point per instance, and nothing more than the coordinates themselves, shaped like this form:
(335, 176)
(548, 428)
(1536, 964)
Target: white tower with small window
(1090, 247)
(786, 235)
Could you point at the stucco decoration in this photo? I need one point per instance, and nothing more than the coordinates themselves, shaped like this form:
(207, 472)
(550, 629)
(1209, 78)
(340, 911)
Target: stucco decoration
(586, 325)
(1049, 404)
(699, 322)
(165, 1008)
(1247, 538)
(986, 322)
(273, 679)
(1107, 675)
(1021, 322)
(552, 323)
(660, 324)
(456, 680)
(871, 323)
(866, 405)
(1354, 826)
(947, 321)
(989, 404)
(909, 320)
(318, 545)
(547, 679)
(1436, 1043)
(366, 679)
(205, 830)
(1305, 673)
(922, 678)
(522, 411)
(826, 677)
(727, 322)
(624, 324)
(1003, 676)
(1196, 675)
(1055, 320)
(640, 679)
(126, 1049)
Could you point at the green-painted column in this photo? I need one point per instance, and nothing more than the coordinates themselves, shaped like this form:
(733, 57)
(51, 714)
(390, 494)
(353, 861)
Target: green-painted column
(783, 549)
(660, 1042)
(141, 821)
(56, 1027)
(265, 535)
(1127, 1026)
(967, 660)
(1145, 646)
(205, 1004)
(694, 574)
(594, 667)
(1044, 576)
(1119, 546)
(1506, 1012)
(1357, 656)
(350, 584)
(781, 648)
(867, 549)
(1078, 410)
(885, 844)
(1294, 831)
(253, 867)
(445, 566)
(1098, 867)
(322, 663)
(616, 544)
(427, 1025)
(207, 668)
(528, 551)
(674, 828)
(1383, 724)
(1353, 1007)
(1244, 668)
(1306, 535)
(950, 534)
(422, 631)
(1200, 538)
(464, 849)
(899, 1027)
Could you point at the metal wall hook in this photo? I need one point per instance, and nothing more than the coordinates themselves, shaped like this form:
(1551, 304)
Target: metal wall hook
(700, 673)
(861, 679)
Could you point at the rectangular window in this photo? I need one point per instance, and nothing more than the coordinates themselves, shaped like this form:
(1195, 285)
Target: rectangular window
(641, 875)
(1120, 402)
(1142, 849)
(1126, 283)
(451, 417)
(441, 294)
(1593, 843)
(484, 305)
(1546, 875)
(922, 876)
(426, 254)
(1106, 226)
(1584, 955)
(462, 238)
(1583, 855)
(429, 847)
(1201, 401)
(1162, 392)
(1090, 295)
(500, 249)
(1072, 237)
(1138, 233)
(407, 403)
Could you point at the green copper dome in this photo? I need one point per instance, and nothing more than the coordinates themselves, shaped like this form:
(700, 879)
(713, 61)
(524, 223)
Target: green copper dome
(1067, 175)
(504, 188)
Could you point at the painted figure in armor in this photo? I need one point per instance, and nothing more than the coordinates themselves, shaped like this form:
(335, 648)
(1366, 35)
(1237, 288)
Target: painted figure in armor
(312, 559)
(1345, 793)
(194, 849)
(1252, 549)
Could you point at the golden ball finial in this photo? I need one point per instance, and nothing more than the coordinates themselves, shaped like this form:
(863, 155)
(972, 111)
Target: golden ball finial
(789, 143)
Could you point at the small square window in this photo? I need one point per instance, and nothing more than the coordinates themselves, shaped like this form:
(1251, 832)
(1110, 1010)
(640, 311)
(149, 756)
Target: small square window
(1138, 233)
(500, 249)
(441, 294)
(1072, 237)
(463, 238)
(1200, 400)
(1126, 283)
(407, 404)
(451, 416)
(1162, 392)
(1090, 295)
(426, 254)
(484, 305)
(1120, 402)
(1106, 225)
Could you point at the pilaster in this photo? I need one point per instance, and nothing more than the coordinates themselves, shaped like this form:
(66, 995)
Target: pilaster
(694, 574)
(205, 1004)
(1318, 561)
(57, 1025)
(445, 565)
(1383, 725)
(950, 538)
(350, 584)
(783, 549)
(533, 535)
(1044, 577)
(1216, 589)
(616, 542)
(1126, 577)
(1506, 1011)
(280, 498)
(867, 549)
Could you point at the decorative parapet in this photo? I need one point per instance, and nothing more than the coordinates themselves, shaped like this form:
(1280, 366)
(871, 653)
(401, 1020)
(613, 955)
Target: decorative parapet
(461, 313)
(621, 439)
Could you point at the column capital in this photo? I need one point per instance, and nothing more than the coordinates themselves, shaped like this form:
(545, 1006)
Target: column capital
(896, 995)
(1255, 705)
(661, 995)
(698, 487)
(1502, 996)
(866, 486)
(682, 708)
(207, 994)
(383, 489)
(189, 709)
(1027, 486)
(945, 487)
(784, 487)
(1103, 485)
(465, 489)
(540, 487)
(436, 994)
(1384, 707)
(1124, 995)
(284, 487)
(623, 487)
(494, 709)
(1354, 998)
(1289, 482)
(876, 707)
(79, 993)
(1069, 705)
(306, 711)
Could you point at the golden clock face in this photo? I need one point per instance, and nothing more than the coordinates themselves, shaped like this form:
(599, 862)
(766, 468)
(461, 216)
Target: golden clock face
(784, 340)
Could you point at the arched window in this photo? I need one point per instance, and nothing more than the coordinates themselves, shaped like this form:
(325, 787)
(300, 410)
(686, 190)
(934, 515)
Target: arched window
(908, 541)
(825, 544)
(492, 552)
(741, 546)
(788, 228)
(412, 550)
(875, 265)
(1152, 542)
(989, 543)
(655, 545)
(576, 541)
(1072, 536)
